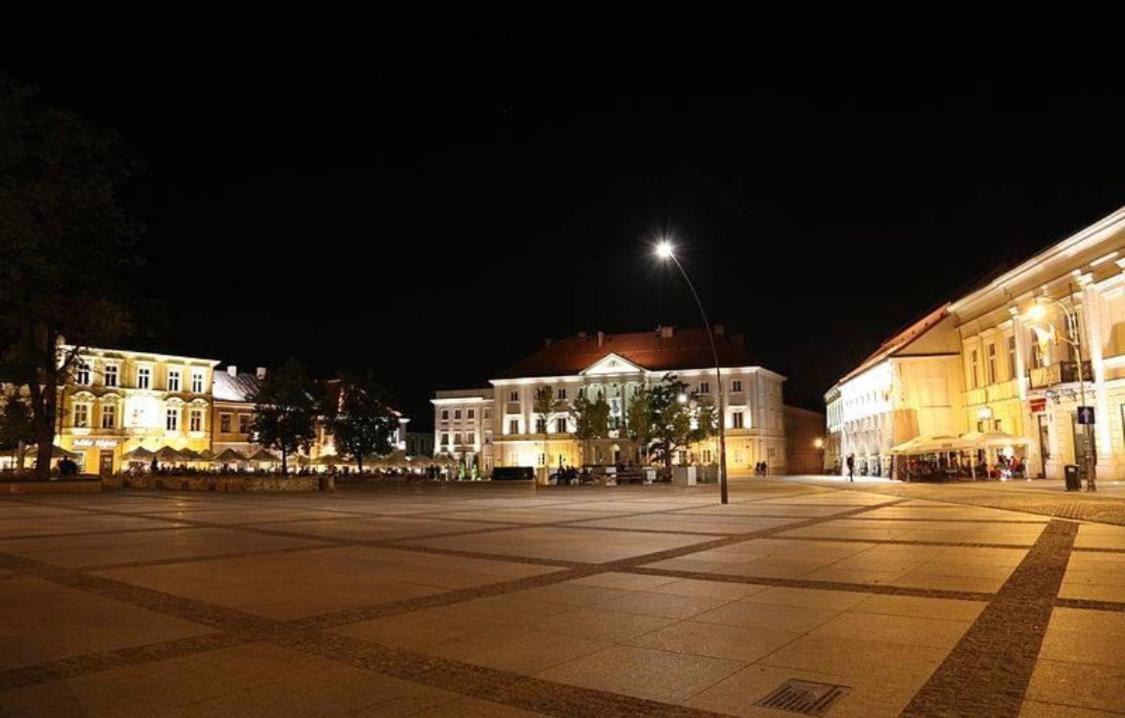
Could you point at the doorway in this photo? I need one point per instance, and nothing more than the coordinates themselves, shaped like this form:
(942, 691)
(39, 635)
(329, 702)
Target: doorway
(1044, 442)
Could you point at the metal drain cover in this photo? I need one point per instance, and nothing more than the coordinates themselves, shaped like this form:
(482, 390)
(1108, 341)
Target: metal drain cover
(804, 697)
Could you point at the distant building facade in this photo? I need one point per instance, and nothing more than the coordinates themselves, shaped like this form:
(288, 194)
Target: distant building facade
(804, 441)
(499, 425)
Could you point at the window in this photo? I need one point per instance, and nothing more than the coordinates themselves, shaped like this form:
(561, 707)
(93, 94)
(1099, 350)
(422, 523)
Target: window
(996, 425)
(444, 439)
(991, 363)
(1039, 357)
(445, 414)
(974, 373)
(540, 426)
(197, 381)
(172, 419)
(195, 423)
(542, 459)
(144, 377)
(81, 415)
(224, 423)
(704, 387)
(173, 380)
(244, 423)
(582, 393)
(707, 456)
(471, 437)
(470, 413)
(736, 418)
(487, 413)
(111, 375)
(560, 426)
(456, 414)
(513, 396)
(457, 439)
(1012, 357)
(82, 374)
(736, 385)
(109, 416)
(562, 393)
(514, 426)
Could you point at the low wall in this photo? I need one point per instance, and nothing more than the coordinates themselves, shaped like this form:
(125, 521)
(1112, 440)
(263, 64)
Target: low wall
(70, 485)
(231, 483)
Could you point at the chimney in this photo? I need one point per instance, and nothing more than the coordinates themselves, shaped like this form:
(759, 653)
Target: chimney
(666, 332)
(581, 335)
(601, 337)
(261, 372)
(232, 370)
(719, 329)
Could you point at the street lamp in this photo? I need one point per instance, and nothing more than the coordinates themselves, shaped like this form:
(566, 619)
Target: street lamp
(666, 251)
(1037, 313)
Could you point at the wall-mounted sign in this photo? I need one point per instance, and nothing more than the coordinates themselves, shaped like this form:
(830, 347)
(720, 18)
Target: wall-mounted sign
(1038, 406)
(1085, 415)
(95, 443)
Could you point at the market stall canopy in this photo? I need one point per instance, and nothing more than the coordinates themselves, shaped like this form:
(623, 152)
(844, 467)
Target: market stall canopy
(330, 460)
(992, 440)
(138, 454)
(229, 456)
(205, 455)
(929, 445)
(169, 454)
(264, 456)
(446, 460)
(57, 452)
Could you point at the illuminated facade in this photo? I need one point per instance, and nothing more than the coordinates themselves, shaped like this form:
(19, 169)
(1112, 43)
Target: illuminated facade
(118, 400)
(233, 411)
(1016, 366)
(499, 426)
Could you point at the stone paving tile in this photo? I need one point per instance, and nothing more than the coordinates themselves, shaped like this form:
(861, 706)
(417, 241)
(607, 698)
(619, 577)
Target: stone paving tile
(374, 528)
(1075, 684)
(84, 523)
(717, 525)
(42, 621)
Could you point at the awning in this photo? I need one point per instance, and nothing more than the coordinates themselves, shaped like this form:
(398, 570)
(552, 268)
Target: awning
(264, 456)
(929, 445)
(229, 456)
(993, 440)
(138, 454)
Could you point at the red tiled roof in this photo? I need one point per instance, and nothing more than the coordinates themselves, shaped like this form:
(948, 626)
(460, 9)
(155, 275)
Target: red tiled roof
(684, 349)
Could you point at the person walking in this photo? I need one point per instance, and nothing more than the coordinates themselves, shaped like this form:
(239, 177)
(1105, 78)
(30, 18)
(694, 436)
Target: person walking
(851, 467)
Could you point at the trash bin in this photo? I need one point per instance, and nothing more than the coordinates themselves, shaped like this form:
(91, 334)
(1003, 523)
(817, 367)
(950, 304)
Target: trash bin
(1070, 471)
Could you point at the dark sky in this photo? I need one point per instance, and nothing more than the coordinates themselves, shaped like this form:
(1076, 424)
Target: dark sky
(432, 198)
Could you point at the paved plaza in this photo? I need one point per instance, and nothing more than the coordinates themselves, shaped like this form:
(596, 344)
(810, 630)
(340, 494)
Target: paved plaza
(476, 600)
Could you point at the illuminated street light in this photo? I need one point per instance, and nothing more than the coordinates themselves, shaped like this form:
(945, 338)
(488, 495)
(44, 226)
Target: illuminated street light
(682, 398)
(665, 250)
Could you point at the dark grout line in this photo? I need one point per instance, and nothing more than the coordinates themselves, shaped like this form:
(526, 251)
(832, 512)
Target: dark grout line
(1091, 604)
(987, 673)
(906, 542)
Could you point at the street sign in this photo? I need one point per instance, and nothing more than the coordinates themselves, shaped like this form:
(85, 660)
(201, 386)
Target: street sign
(1085, 415)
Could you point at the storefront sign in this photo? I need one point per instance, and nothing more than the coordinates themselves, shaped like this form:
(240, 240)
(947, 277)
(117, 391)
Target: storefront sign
(96, 443)
(1038, 406)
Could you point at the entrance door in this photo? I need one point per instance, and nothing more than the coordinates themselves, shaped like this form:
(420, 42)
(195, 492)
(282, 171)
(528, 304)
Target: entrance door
(105, 464)
(1044, 442)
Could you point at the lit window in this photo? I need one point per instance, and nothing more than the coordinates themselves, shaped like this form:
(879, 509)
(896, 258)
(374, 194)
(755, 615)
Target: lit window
(172, 419)
(81, 415)
(109, 416)
(195, 423)
(224, 423)
(736, 418)
(197, 381)
(736, 385)
(173, 380)
(111, 375)
(244, 423)
(144, 377)
(82, 374)
(445, 414)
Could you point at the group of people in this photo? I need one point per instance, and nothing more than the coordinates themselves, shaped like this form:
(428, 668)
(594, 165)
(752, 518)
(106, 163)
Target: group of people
(761, 468)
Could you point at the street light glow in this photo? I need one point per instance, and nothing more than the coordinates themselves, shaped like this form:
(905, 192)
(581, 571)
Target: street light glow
(1037, 312)
(664, 249)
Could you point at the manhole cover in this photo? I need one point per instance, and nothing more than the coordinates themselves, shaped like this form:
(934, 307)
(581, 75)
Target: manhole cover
(804, 697)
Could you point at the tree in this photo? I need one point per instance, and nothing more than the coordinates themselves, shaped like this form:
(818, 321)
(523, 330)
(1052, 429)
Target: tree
(363, 422)
(638, 421)
(66, 246)
(285, 411)
(545, 407)
(16, 426)
(676, 419)
(591, 422)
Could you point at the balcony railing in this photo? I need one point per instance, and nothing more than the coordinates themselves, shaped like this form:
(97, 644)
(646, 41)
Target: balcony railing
(1062, 372)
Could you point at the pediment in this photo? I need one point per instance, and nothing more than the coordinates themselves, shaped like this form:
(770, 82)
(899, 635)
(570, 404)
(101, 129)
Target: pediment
(611, 364)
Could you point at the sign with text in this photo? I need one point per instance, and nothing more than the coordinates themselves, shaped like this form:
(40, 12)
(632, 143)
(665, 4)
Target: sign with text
(1085, 415)
(1038, 406)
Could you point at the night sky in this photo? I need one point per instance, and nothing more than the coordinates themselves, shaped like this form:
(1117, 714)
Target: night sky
(434, 201)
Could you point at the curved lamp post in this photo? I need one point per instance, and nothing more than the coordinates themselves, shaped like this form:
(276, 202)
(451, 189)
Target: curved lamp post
(1037, 313)
(665, 250)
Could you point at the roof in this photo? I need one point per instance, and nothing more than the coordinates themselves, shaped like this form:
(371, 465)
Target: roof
(241, 387)
(679, 349)
(899, 341)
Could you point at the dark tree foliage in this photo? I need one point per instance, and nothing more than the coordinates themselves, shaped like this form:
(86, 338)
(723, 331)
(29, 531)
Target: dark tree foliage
(285, 411)
(668, 417)
(591, 422)
(17, 429)
(67, 249)
(363, 423)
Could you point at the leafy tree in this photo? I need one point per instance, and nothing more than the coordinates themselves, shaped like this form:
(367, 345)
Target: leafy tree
(591, 421)
(676, 419)
(638, 420)
(66, 246)
(363, 422)
(285, 411)
(16, 426)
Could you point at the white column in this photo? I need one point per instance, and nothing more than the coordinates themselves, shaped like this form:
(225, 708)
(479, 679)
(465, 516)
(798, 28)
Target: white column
(1094, 306)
